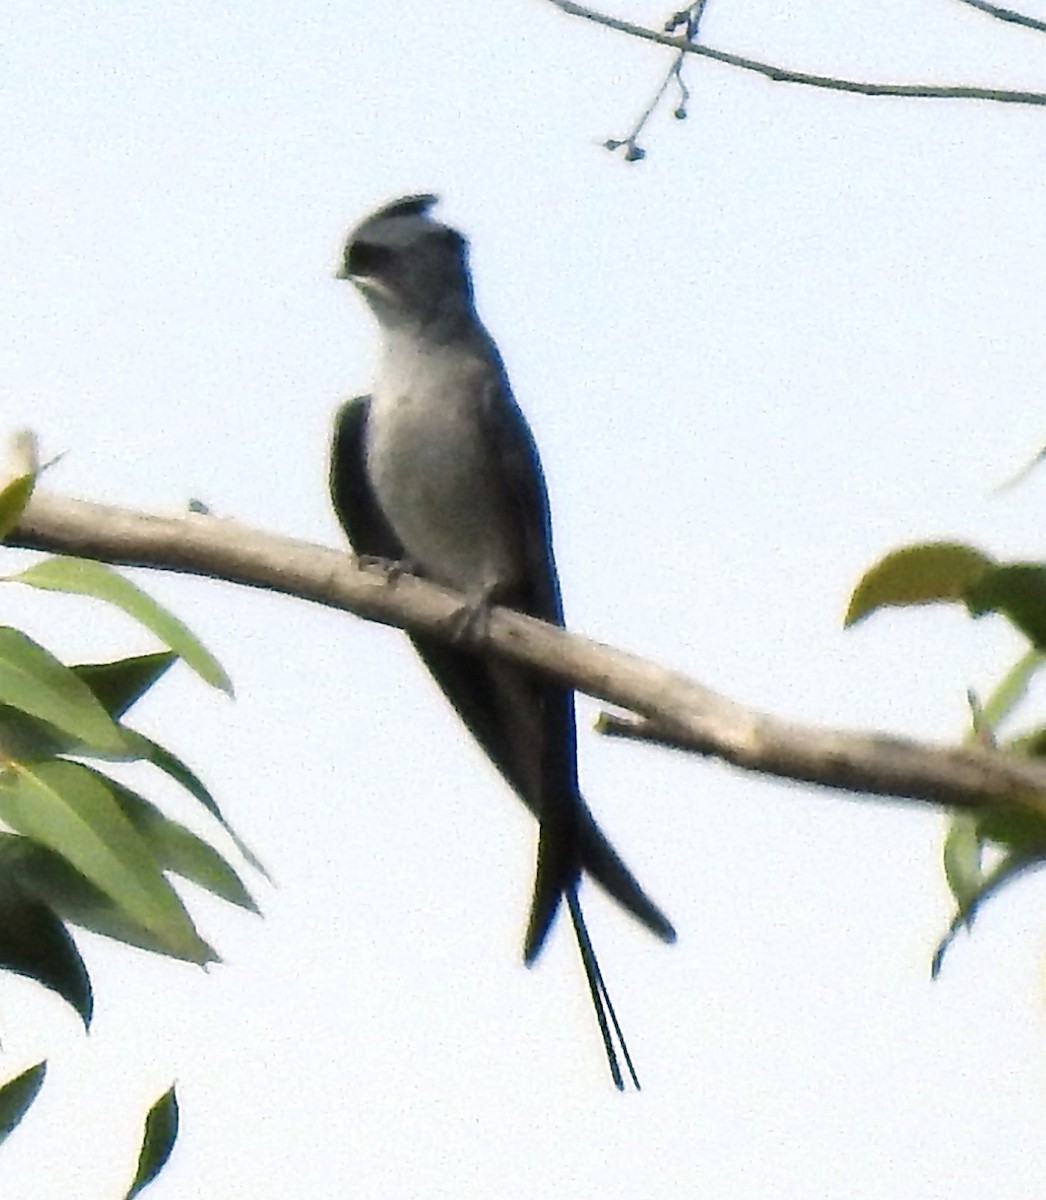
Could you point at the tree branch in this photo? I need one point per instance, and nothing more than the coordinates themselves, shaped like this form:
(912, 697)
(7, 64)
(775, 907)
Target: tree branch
(1007, 14)
(782, 75)
(676, 710)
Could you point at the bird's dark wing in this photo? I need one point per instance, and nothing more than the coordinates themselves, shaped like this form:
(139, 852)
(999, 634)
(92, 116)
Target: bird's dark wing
(559, 807)
(570, 835)
(463, 676)
(355, 504)
(512, 447)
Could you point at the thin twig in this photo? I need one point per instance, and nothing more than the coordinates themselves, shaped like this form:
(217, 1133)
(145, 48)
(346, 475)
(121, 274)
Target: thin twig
(1006, 14)
(690, 19)
(783, 75)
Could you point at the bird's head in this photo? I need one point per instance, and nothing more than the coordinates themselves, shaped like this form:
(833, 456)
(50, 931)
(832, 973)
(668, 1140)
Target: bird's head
(411, 270)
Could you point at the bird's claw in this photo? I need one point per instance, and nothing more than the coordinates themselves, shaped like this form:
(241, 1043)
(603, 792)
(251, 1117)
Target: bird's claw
(470, 625)
(391, 568)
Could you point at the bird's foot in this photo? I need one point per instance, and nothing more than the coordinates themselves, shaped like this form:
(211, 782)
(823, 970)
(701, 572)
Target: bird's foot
(470, 625)
(391, 568)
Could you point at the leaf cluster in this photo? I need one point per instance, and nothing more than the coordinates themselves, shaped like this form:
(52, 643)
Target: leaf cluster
(77, 847)
(981, 854)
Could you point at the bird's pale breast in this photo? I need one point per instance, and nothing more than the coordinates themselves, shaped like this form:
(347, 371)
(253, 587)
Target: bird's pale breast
(431, 468)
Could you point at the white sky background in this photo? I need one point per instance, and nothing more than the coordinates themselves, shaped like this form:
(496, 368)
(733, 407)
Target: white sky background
(806, 329)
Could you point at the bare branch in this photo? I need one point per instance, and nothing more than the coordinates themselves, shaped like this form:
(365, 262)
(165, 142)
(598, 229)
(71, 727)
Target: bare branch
(675, 709)
(690, 20)
(782, 75)
(1006, 14)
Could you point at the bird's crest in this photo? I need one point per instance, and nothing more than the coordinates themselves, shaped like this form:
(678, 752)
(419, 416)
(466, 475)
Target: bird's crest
(408, 206)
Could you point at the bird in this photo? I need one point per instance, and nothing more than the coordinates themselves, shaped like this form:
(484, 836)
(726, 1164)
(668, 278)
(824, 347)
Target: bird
(437, 471)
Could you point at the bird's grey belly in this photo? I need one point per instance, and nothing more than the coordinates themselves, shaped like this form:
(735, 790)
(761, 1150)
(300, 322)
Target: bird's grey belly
(437, 486)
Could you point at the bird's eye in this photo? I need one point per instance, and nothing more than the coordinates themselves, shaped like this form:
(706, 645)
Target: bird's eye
(364, 258)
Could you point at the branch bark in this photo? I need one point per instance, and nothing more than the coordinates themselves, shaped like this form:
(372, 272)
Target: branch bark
(674, 709)
(783, 75)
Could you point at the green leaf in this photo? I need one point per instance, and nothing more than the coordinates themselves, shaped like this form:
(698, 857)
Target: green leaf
(35, 943)
(33, 680)
(161, 1130)
(70, 809)
(118, 685)
(17, 1095)
(1011, 689)
(1011, 867)
(23, 737)
(1018, 591)
(932, 572)
(19, 473)
(173, 767)
(50, 878)
(1032, 743)
(90, 578)
(179, 850)
(115, 685)
(14, 496)
(962, 860)
(1022, 832)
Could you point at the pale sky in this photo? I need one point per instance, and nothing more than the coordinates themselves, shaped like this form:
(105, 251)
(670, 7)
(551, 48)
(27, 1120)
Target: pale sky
(806, 329)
